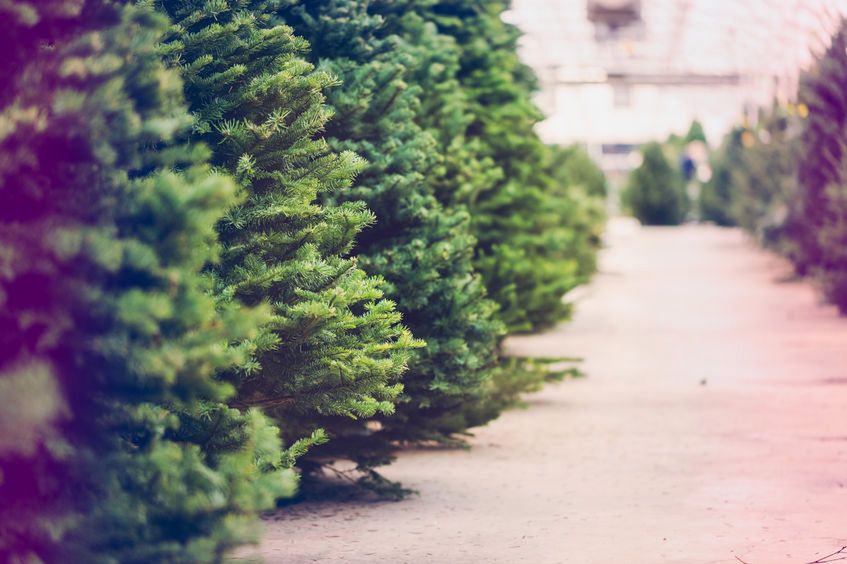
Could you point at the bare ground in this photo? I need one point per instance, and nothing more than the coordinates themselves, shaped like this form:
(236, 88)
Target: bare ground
(712, 427)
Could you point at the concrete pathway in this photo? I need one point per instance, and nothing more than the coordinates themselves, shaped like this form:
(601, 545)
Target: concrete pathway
(712, 427)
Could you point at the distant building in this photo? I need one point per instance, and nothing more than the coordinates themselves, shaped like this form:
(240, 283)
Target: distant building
(618, 73)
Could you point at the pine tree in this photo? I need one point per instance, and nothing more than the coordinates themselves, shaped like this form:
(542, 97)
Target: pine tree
(422, 248)
(655, 192)
(109, 339)
(524, 251)
(334, 346)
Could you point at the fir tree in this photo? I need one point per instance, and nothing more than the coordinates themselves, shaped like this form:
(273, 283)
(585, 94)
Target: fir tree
(468, 173)
(422, 248)
(655, 192)
(334, 346)
(109, 337)
(524, 251)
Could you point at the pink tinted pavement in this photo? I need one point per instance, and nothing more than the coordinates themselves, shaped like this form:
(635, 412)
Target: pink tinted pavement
(711, 427)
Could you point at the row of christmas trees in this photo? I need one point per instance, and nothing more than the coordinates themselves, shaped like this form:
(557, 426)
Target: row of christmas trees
(784, 179)
(242, 235)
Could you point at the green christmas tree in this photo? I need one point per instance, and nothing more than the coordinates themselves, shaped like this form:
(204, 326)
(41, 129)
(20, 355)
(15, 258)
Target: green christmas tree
(334, 346)
(110, 340)
(422, 247)
(655, 193)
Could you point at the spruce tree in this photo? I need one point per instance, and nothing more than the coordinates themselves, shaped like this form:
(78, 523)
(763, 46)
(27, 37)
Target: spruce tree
(334, 346)
(655, 192)
(422, 248)
(109, 339)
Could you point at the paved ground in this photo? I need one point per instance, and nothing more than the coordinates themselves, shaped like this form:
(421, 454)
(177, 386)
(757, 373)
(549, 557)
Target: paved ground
(712, 427)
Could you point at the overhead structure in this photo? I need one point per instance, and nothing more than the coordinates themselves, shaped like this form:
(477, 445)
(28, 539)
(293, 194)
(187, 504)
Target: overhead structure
(614, 13)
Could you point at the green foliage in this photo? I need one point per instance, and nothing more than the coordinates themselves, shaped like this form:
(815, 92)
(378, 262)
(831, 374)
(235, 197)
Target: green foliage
(334, 346)
(580, 186)
(109, 338)
(655, 193)
(718, 195)
(423, 248)
(199, 267)
(695, 133)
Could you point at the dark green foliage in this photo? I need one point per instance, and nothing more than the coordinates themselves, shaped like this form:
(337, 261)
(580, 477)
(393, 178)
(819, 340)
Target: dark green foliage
(334, 346)
(422, 247)
(655, 192)
(109, 338)
(524, 251)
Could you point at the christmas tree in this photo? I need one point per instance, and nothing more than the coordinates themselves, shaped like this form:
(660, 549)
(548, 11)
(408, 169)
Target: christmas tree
(423, 248)
(335, 346)
(655, 192)
(110, 340)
